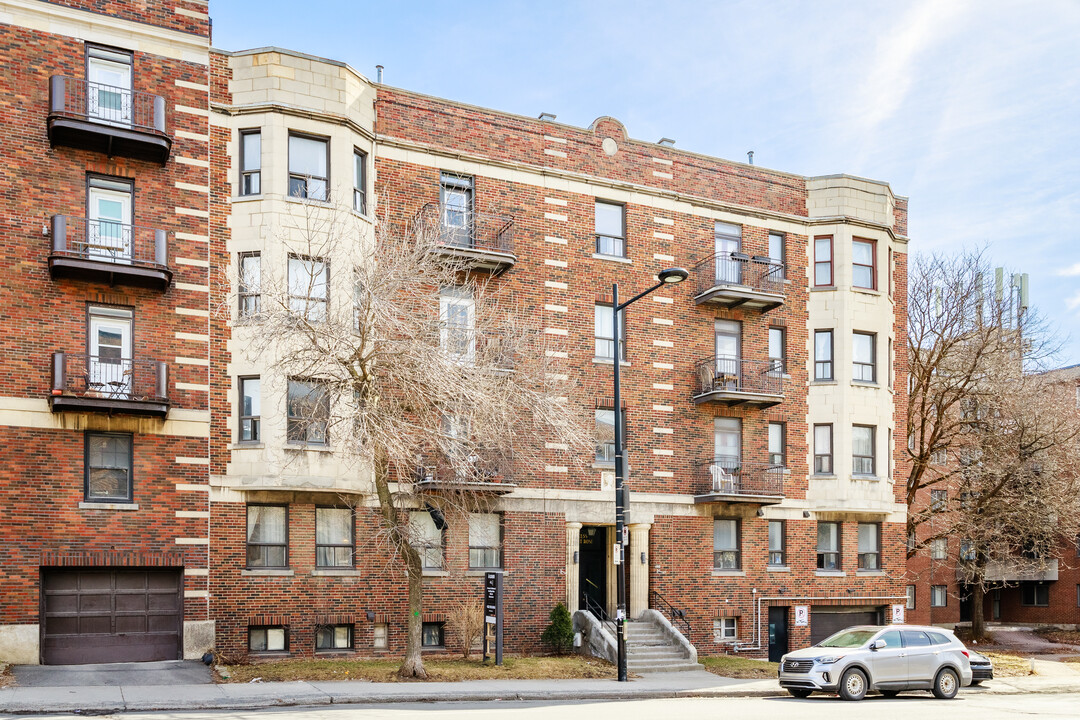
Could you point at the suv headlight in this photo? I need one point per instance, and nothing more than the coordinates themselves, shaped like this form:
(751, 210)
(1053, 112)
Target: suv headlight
(828, 659)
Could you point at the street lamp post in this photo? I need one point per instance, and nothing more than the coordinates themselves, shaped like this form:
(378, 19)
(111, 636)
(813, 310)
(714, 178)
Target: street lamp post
(670, 276)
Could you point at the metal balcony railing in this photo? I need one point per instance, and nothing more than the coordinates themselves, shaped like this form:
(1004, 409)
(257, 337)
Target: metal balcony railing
(759, 274)
(106, 104)
(731, 476)
(109, 241)
(109, 384)
(722, 373)
(467, 229)
(464, 472)
(470, 347)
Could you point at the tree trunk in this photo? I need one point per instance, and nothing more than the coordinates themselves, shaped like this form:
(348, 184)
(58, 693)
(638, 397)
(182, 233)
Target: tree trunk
(413, 664)
(978, 620)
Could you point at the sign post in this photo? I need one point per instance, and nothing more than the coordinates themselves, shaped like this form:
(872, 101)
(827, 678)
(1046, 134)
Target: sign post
(493, 616)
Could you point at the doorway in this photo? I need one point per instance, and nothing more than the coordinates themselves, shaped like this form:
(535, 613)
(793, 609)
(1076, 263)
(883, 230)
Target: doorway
(778, 633)
(592, 569)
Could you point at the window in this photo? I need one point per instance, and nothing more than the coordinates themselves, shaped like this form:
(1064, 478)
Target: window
(334, 546)
(823, 269)
(108, 85)
(605, 435)
(268, 639)
(1034, 594)
(610, 229)
(777, 351)
(777, 444)
(250, 162)
(267, 536)
(250, 285)
(359, 195)
(108, 467)
(823, 464)
(309, 412)
(727, 452)
(892, 267)
(333, 637)
(869, 546)
(432, 635)
(967, 550)
(109, 368)
(910, 597)
(726, 545)
(828, 546)
(939, 548)
(862, 450)
(777, 538)
(309, 284)
(605, 332)
(938, 596)
(730, 260)
(939, 500)
(823, 355)
(309, 162)
(457, 334)
(864, 264)
(864, 365)
(427, 538)
(778, 254)
(249, 410)
(889, 360)
(485, 540)
(379, 635)
(725, 629)
(108, 226)
(456, 199)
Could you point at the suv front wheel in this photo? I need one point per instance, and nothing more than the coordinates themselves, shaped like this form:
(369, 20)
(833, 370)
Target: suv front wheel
(946, 684)
(853, 684)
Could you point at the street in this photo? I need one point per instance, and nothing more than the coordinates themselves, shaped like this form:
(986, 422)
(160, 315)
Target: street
(917, 705)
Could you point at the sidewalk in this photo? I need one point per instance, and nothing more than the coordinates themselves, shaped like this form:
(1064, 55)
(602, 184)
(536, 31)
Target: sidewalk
(126, 698)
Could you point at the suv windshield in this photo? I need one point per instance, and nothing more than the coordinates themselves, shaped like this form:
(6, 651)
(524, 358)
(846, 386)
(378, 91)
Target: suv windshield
(848, 639)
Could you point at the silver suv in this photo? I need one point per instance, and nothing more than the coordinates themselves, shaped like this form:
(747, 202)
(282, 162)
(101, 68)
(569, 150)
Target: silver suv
(888, 659)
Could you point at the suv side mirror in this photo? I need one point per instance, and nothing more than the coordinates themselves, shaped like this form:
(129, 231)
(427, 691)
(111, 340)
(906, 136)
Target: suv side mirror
(878, 644)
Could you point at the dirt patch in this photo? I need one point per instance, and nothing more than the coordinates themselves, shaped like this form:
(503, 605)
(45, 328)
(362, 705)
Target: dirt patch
(1063, 637)
(963, 634)
(739, 667)
(1071, 659)
(442, 670)
(1006, 665)
(7, 678)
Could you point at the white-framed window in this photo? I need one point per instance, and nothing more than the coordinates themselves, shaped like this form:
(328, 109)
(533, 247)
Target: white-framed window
(360, 182)
(864, 357)
(939, 549)
(938, 596)
(864, 264)
(605, 332)
(610, 229)
(910, 597)
(725, 629)
(485, 540)
(457, 313)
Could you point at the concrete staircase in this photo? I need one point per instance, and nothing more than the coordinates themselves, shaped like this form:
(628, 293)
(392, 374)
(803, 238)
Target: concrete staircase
(649, 650)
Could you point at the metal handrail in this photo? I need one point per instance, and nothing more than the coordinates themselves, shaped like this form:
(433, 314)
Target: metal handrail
(599, 613)
(110, 378)
(730, 476)
(475, 231)
(109, 241)
(106, 104)
(674, 614)
(738, 269)
(726, 372)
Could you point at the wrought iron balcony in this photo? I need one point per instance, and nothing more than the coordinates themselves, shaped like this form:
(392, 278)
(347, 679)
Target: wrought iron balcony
(112, 120)
(465, 474)
(733, 279)
(730, 480)
(94, 383)
(733, 381)
(482, 241)
(1013, 570)
(109, 252)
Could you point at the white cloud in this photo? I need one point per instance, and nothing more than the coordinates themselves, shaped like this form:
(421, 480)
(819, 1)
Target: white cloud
(1073, 302)
(1071, 271)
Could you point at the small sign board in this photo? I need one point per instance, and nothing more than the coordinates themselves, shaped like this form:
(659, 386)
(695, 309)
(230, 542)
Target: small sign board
(616, 554)
(802, 615)
(493, 616)
(898, 614)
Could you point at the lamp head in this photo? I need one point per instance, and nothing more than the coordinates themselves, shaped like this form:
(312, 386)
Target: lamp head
(672, 275)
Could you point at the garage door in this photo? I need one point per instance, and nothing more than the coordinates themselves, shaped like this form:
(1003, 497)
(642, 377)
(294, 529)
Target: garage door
(94, 615)
(824, 623)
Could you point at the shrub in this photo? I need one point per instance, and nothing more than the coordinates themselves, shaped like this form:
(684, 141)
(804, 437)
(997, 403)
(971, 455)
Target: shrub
(559, 635)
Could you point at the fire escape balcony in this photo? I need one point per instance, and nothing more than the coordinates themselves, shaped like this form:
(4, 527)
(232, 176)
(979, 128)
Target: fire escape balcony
(471, 474)
(480, 241)
(113, 385)
(729, 480)
(733, 381)
(733, 279)
(109, 252)
(112, 120)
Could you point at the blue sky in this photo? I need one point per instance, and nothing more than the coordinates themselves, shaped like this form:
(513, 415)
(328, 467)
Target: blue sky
(971, 109)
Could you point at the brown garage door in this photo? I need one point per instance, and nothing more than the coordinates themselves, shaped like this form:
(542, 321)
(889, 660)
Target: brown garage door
(94, 615)
(824, 624)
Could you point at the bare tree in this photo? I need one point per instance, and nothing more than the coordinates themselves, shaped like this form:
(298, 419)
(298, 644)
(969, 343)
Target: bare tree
(423, 372)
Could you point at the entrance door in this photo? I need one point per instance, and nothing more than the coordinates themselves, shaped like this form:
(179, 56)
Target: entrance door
(109, 364)
(108, 225)
(727, 454)
(592, 568)
(457, 211)
(995, 601)
(728, 242)
(778, 633)
(728, 353)
(108, 86)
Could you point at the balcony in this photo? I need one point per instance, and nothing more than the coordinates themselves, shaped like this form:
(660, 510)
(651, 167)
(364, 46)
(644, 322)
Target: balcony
(733, 381)
(476, 348)
(109, 252)
(111, 120)
(733, 279)
(472, 474)
(729, 480)
(1011, 571)
(479, 241)
(121, 386)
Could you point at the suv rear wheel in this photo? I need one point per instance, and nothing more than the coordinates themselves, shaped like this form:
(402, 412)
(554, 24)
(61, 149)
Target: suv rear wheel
(946, 684)
(853, 684)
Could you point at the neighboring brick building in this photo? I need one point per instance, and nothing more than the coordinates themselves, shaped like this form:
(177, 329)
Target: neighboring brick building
(104, 152)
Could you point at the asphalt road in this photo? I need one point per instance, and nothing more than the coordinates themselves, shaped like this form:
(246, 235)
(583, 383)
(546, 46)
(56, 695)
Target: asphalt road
(912, 707)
